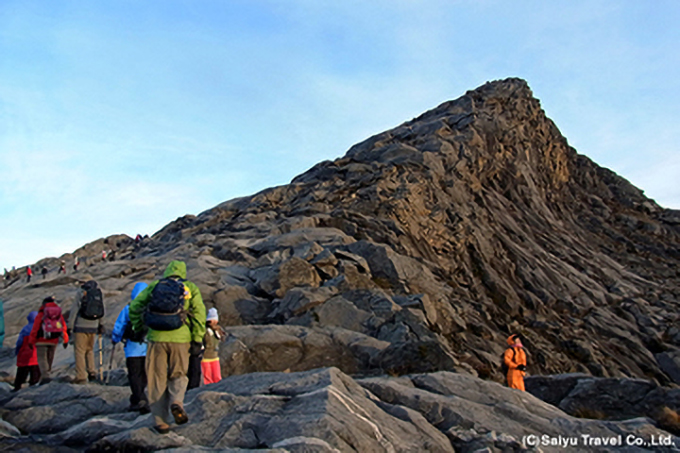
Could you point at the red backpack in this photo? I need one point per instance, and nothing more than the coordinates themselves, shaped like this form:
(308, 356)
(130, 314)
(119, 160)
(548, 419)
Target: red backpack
(52, 326)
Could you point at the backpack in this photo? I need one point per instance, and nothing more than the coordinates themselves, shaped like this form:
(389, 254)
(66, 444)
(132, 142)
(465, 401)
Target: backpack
(52, 326)
(504, 366)
(92, 302)
(165, 310)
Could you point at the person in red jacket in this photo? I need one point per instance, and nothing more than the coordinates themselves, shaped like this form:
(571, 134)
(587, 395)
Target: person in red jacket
(49, 326)
(516, 360)
(27, 356)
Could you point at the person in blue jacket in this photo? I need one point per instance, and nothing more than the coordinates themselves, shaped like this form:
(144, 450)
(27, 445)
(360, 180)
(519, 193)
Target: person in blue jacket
(135, 355)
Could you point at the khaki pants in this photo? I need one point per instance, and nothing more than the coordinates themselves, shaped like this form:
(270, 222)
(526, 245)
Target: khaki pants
(166, 372)
(84, 352)
(45, 354)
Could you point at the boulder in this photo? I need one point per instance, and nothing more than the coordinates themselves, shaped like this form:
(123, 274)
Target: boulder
(251, 349)
(610, 398)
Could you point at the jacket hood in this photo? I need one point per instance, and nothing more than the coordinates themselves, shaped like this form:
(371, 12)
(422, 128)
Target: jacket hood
(31, 316)
(139, 287)
(176, 269)
(512, 339)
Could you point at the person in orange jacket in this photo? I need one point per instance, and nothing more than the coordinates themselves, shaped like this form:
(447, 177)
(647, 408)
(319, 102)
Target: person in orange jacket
(516, 361)
(49, 326)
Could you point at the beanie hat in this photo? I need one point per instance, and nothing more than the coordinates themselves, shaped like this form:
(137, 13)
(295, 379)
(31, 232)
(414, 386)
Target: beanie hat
(212, 315)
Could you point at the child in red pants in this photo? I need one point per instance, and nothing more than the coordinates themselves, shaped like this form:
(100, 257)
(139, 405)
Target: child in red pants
(214, 335)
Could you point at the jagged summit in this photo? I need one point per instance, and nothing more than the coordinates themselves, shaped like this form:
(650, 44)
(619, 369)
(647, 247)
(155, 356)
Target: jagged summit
(434, 240)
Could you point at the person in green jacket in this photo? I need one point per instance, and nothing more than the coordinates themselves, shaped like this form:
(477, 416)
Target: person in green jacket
(167, 358)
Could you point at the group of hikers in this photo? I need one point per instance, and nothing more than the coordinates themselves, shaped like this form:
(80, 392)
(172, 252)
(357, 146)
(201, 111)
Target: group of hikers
(10, 276)
(168, 337)
(169, 342)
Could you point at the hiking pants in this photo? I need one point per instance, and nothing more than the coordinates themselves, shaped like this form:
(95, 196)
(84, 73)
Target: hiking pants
(515, 379)
(84, 352)
(166, 371)
(137, 376)
(22, 374)
(211, 371)
(45, 359)
(194, 372)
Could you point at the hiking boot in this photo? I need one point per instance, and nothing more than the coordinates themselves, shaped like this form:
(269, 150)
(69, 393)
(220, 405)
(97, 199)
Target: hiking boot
(45, 381)
(162, 429)
(144, 407)
(91, 377)
(180, 415)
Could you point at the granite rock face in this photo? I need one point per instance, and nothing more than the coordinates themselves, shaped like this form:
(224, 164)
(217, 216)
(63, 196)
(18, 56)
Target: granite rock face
(419, 251)
(322, 410)
(610, 398)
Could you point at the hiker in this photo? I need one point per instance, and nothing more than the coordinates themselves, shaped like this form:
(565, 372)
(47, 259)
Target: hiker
(214, 335)
(76, 263)
(194, 371)
(516, 362)
(27, 356)
(49, 326)
(62, 267)
(2, 322)
(135, 355)
(44, 272)
(29, 272)
(85, 322)
(172, 309)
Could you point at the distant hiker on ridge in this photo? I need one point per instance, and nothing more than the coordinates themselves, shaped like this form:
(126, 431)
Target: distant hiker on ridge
(29, 272)
(44, 272)
(75, 264)
(49, 326)
(173, 310)
(516, 362)
(135, 355)
(85, 322)
(62, 267)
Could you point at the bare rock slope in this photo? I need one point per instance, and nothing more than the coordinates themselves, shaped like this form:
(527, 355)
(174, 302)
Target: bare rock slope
(472, 221)
(419, 251)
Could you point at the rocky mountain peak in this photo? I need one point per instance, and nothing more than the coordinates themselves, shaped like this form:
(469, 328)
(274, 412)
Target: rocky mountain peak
(444, 234)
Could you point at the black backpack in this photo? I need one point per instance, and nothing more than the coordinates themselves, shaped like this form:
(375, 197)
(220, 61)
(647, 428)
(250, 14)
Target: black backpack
(92, 302)
(165, 310)
(504, 366)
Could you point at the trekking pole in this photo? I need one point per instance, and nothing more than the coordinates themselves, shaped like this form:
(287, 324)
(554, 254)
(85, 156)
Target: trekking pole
(101, 360)
(108, 375)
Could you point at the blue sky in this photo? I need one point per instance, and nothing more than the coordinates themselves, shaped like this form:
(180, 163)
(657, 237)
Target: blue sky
(120, 116)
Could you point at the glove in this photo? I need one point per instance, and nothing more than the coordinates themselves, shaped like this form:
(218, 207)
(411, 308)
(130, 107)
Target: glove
(521, 367)
(68, 332)
(65, 345)
(195, 348)
(100, 329)
(137, 336)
